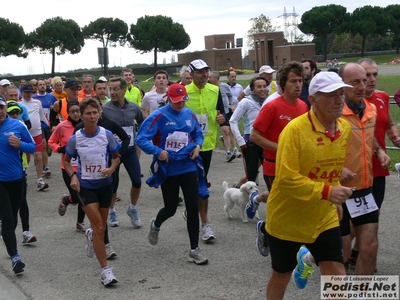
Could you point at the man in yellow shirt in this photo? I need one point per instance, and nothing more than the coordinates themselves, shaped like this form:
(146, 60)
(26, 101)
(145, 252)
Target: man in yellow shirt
(132, 93)
(306, 194)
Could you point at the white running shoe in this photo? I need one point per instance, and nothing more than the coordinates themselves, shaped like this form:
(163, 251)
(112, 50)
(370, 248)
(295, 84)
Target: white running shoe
(28, 237)
(110, 253)
(107, 276)
(197, 258)
(208, 233)
(89, 242)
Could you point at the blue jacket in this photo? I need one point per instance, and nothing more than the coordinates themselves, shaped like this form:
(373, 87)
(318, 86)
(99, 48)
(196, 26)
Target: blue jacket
(10, 159)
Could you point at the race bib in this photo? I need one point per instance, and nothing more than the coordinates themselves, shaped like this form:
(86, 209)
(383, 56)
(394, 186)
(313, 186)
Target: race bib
(361, 205)
(74, 162)
(203, 121)
(176, 141)
(46, 113)
(129, 132)
(92, 166)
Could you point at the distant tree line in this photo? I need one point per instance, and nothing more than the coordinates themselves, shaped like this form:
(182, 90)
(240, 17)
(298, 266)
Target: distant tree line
(58, 36)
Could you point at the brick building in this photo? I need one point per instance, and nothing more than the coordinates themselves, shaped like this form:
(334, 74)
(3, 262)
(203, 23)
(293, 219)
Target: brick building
(220, 53)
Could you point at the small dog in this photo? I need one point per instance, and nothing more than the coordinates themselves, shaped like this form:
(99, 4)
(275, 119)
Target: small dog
(240, 197)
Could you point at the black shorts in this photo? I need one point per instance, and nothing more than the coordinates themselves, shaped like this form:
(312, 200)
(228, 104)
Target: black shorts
(378, 189)
(372, 217)
(102, 196)
(46, 133)
(327, 247)
(227, 118)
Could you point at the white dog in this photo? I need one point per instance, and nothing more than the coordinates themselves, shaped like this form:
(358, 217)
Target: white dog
(240, 197)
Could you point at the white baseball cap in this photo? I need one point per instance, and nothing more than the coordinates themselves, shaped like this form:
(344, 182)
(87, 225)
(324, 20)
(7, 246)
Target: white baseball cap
(266, 69)
(326, 82)
(4, 82)
(102, 78)
(198, 64)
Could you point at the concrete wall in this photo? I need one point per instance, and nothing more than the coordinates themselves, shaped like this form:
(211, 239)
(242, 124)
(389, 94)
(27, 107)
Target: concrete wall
(219, 41)
(217, 59)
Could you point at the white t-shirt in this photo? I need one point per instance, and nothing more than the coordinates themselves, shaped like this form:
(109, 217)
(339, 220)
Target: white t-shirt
(153, 101)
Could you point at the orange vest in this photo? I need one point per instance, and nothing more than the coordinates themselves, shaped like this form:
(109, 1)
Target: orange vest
(64, 106)
(361, 146)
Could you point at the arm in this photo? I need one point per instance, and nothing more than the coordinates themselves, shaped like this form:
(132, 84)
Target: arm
(257, 137)
(220, 107)
(146, 133)
(237, 114)
(392, 131)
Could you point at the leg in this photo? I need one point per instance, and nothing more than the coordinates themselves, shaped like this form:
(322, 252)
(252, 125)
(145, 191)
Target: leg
(331, 268)
(226, 134)
(276, 285)
(367, 237)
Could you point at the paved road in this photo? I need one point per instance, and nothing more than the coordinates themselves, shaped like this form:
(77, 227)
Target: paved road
(57, 267)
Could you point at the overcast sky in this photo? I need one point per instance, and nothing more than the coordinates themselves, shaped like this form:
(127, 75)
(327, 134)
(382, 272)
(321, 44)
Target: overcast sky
(199, 19)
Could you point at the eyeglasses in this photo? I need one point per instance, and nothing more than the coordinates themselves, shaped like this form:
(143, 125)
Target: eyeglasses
(74, 111)
(87, 81)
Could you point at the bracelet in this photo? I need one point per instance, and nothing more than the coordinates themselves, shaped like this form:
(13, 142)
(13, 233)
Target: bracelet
(72, 174)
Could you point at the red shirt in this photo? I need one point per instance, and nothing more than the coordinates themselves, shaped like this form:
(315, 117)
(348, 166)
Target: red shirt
(271, 120)
(382, 102)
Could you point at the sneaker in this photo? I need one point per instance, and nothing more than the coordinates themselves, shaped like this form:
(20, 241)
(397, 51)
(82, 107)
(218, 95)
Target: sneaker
(107, 276)
(112, 219)
(237, 153)
(28, 237)
(46, 172)
(397, 167)
(208, 234)
(89, 242)
(230, 156)
(196, 257)
(17, 264)
(81, 227)
(41, 185)
(184, 215)
(252, 205)
(221, 138)
(110, 253)
(261, 240)
(153, 234)
(302, 271)
(352, 261)
(62, 208)
(135, 220)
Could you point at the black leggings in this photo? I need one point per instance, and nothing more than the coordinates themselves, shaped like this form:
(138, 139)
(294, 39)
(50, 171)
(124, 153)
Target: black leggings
(170, 191)
(11, 196)
(74, 196)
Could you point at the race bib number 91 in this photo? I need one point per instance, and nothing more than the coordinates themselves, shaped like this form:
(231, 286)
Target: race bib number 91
(361, 205)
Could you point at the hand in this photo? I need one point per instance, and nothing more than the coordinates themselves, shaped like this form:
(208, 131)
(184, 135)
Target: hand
(107, 172)
(347, 175)
(396, 141)
(75, 184)
(61, 149)
(383, 158)
(195, 152)
(14, 141)
(339, 194)
(220, 118)
(163, 156)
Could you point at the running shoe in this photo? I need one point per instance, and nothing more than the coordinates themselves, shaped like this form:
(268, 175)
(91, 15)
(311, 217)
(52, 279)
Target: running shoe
(107, 276)
(17, 264)
(153, 234)
(230, 156)
(208, 233)
(28, 237)
(62, 207)
(89, 242)
(196, 257)
(41, 185)
(81, 227)
(397, 167)
(112, 219)
(134, 215)
(261, 241)
(302, 271)
(237, 153)
(110, 253)
(353, 260)
(46, 172)
(221, 138)
(252, 205)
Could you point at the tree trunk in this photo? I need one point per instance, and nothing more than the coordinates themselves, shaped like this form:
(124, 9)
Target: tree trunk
(53, 61)
(155, 57)
(363, 46)
(325, 42)
(105, 61)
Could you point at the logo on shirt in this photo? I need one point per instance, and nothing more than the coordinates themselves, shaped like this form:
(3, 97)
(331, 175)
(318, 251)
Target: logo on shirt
(283, 117)
(170, 123)
(315, 174)
(189, 123)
